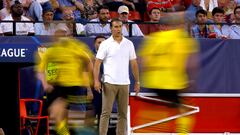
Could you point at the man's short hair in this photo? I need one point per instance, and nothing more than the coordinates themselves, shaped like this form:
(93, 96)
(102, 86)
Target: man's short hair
(99, 36)
(13, 3)
(201, 11)
(217, 10)
(114, 20)
(102, 7)
(150, 11)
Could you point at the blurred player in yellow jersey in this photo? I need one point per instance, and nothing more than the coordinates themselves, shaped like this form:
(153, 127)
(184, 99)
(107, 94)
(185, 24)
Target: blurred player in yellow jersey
(169, 61)
(68, 61)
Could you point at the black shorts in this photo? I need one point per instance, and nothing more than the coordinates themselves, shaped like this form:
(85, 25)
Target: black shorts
(169, 95)
(75, 96)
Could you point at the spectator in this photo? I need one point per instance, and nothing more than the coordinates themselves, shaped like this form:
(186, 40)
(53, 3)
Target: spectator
(229, 9)
(155, 15)
(123, 12)
(220, 29)
(75, 5)
(208, 5)
(164, 5)
(90, 9)
(237, 2)
(74, 28)
(23, 28)
(235, 29)
(139, 6)
(33, 9)
(190, 13)
(5, 11)
(201, 30)
(100, 25)
(47, 27)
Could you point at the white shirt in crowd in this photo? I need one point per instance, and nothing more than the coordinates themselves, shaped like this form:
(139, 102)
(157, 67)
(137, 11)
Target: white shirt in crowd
(22, 28)
(136, 31)
(116, 59)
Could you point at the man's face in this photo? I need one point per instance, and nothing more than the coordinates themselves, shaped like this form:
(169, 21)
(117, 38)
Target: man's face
(155, 15)
(218, 17)
(17, 9)
(123, 16)
(104, 15)
(98, 42)
(68, 15)
(237, 14)
(201, 18)
(48, 16)
(116, 28)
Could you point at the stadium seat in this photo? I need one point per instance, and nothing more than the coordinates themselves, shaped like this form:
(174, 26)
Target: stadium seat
(134, 16)
(113, 14)
(24, 116)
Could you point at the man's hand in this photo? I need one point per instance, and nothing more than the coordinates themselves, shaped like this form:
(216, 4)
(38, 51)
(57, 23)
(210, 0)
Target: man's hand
(89, 94)
(48, 87)
(137, 87)
(97, 86)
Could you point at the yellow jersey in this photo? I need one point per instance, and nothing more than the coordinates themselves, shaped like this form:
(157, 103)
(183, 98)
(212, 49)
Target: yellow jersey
(65, 63)
(164, 57)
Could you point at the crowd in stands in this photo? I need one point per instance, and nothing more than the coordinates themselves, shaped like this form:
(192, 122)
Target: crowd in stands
(203, 18)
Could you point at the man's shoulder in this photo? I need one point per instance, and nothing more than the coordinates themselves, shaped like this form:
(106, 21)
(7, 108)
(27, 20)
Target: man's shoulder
(127, 40)
(94, 20)
(24, 18)
(8, 18)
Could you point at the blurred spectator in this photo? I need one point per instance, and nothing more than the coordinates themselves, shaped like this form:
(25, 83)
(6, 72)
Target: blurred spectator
(208, 5)
(33, 9)
(23, 28)
(234, 32)
(179, 5)
(75, 5)
(123, 12)
(201, 30)
(47, 27)
(155, 15)
(74, 28)
(221, 30)
(100, 25)
(191, 11)
(190, 14)
(54, 5)
(237, 2)
(229, 8)
(139, 6)
(5, 11)
(164, 5)
(90, 9)
(222, 3)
